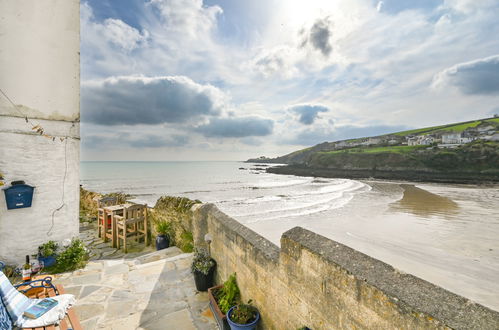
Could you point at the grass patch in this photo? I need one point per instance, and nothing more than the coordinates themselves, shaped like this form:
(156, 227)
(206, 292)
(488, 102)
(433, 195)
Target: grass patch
(375, 150)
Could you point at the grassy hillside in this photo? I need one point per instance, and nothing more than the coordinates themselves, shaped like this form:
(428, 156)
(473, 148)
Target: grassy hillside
(389, 156)
(477, 156)
(457, 127)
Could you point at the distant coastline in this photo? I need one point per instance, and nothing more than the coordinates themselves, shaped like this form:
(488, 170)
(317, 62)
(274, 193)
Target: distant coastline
(404, 175)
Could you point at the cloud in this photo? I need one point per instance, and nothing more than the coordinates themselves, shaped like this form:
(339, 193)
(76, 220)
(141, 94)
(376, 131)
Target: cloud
(478, 77)
(103, 142)
(308, 112)
(319, 36)
(310, 137)
(277, 61)
(123, 35)
(132, 100)
(189, 18)
(397, 6)
(235, 127)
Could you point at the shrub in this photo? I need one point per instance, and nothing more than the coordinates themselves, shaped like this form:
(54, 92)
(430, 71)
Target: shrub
(186, 242)
(75, 256)
(48, 249)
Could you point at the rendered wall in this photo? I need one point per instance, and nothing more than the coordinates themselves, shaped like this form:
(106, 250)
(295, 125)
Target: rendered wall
(316, 282)
(40, 73)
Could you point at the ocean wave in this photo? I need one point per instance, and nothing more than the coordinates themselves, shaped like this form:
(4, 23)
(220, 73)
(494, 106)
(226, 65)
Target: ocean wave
(279, 184)
(305, 212)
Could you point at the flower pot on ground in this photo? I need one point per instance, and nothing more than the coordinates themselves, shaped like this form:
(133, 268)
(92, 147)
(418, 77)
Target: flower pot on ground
(222, 298)
(162, 242)
(47, 253)
(203, 269)
(163, 228)
(243, 317)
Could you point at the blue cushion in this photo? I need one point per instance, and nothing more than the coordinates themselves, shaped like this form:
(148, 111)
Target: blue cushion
(5, 321)
(15, 302)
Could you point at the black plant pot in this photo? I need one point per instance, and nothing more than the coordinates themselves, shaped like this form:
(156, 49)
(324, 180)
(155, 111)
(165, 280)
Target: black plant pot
(162, 242)
(203, 282)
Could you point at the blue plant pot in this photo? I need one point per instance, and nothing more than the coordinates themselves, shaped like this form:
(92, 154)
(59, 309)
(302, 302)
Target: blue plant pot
(237, 326)
(47, 261)
(162, 242)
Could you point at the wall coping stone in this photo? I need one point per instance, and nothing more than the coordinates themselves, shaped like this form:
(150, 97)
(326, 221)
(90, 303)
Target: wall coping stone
(407, 291)
(260, 243)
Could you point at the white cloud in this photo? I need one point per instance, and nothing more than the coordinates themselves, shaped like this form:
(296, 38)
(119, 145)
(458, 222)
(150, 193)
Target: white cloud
(133, 100)
(478, 77)
(121, 34)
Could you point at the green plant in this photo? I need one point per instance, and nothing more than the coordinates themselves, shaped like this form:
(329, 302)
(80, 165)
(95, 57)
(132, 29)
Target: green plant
(186, 242)
(243, 313)
(228, 295)
(202, 261)
(163, 227)
(75, 256)
(48, 249)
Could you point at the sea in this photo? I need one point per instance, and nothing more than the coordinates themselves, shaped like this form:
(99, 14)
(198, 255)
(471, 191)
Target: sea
(447, 234)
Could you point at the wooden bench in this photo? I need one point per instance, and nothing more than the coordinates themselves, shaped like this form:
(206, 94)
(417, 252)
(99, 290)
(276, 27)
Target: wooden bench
(43, 288)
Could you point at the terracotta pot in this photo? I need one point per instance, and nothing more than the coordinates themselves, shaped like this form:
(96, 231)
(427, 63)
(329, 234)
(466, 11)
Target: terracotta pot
(220, 317)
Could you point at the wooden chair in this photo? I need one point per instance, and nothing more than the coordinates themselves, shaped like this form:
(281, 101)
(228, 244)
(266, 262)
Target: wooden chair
(104, 225)
(132, 223)
(44, 288)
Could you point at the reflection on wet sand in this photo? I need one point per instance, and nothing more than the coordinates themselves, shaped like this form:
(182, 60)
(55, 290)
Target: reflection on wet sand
(424, 203)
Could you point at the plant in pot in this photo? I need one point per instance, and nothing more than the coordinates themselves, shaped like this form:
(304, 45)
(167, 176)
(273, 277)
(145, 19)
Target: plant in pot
(203, 268)
(163, 228)
(222, 298)
(243, 316)
(47, 253)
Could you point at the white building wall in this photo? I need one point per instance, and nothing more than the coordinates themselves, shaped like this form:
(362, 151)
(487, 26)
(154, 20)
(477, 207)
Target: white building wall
(40, 72)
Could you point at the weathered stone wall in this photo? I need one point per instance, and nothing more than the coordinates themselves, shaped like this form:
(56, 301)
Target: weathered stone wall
(316, 282)
(40, 73)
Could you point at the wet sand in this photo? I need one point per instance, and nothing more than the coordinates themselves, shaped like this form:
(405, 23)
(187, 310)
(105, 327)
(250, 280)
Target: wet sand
(445, 234)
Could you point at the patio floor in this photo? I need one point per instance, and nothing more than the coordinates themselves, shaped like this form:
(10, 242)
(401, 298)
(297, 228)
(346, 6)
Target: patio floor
(152, 291)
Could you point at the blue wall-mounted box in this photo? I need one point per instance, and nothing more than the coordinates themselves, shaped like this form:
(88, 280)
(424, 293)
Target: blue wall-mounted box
(18, 195)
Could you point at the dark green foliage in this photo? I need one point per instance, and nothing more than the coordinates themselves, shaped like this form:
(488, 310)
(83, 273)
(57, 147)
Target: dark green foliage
(48, 249)
(75, 256)
(243, 313)
(163, 227)
(228, 295)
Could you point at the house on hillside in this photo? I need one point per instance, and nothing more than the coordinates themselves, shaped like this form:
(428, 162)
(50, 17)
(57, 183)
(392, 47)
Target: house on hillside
(456, 138)
(420, 140)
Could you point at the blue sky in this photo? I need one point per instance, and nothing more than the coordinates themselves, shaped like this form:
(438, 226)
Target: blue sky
(229, 80)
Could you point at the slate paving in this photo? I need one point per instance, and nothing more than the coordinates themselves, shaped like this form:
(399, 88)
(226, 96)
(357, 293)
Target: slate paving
(144, 289)
(152, 291)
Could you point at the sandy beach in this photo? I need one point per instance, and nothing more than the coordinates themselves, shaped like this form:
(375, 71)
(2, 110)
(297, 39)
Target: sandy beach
(445, 234)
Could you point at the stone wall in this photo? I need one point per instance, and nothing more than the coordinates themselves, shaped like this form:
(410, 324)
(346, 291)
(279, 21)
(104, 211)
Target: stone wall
(40, 73)
(316, 282)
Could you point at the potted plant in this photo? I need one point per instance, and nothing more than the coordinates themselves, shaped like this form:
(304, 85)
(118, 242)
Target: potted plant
(222, 298)
(47, 253)
(203, 268)
(243, 316)
(163, 228)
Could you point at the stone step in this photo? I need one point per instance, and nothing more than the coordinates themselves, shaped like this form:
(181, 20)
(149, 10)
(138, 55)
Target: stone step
(158, 255)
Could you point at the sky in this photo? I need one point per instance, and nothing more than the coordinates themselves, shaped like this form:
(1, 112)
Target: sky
(169, 80)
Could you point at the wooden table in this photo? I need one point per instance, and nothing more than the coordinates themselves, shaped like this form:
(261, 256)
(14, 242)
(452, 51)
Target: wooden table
(113, 210)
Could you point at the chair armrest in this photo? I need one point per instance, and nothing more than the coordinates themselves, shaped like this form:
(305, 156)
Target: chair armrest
(118, 217)
(45, 283)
